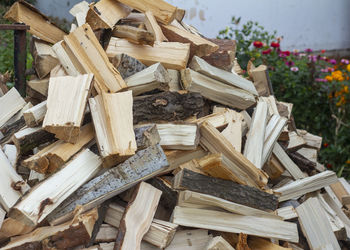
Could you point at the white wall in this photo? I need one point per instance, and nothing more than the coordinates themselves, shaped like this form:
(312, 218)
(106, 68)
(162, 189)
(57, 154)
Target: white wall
(317, 24)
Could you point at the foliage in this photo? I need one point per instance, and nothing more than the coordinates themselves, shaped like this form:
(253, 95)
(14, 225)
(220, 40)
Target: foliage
(317, 86)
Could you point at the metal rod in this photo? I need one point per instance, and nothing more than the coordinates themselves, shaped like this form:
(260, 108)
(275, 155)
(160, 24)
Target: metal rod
(20, 59)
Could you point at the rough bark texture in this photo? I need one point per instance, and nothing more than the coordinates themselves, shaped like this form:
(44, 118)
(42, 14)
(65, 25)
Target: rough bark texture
(127, 65)
(146, 136)
(167, 106)
(9, 129)
(303, 163)
(222, 58)
(228, 190)
(169, 196)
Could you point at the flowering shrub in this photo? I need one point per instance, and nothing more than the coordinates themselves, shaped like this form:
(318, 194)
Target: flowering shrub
(317, 86)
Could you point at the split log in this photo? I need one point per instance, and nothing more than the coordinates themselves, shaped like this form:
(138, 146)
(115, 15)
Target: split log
(112, 117)
(178, 157)
(51, 158)
(153, 77)
(153, 27)
(273, 168)
(65, 56)
(295, 141)
(11, 153)
(201, 66)
(287, 213)
(40, 86)
(219, 243)
(12, 184)
(167, 106)
(35, 115)
(58, 71)
(135, 221)
(79, 11)
(271, 104)
(106, 233)
(10, 104)
(224, 57)
(105, 14)
(40, 26)
(143, 165)
(235, 223)
(162, 11)
(127, 65)
(175, 80)
(308, 153)
(228, 190)
(303, 163)
(262, 81)
(171, 55)
(195, 239)
(49, 194)
(215, 90)
(133, 34)
(2, 216)
(11, 227)
(256, 243)
(44, 58)
(66, 105)
(168, 199)
(312, 141)
(146, 135)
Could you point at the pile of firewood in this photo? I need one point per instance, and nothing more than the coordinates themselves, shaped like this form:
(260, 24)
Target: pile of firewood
(139, 133)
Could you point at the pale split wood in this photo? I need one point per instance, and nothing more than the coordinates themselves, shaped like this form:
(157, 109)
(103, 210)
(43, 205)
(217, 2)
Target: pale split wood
(2, 216)
(44, 57)
(261, 80)
(11, 154)
(287, 213)
(295, 141)
(66, 58)
(311, 140)
(82, 6)
(256, 243)
(35, 115)
(153, 27)
(133, 34)
(271, 104)
(308, 153)
(274, 168)
(10, 104)
(195, 239)
(11, 227)
(219, 243)
(106, 233)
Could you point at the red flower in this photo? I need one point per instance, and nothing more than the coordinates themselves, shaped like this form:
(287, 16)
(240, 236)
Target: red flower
(286, 53)
(257, 44)
(329, 165)
(325, 144)
(323, 51)
(275, 45)
(268, 51)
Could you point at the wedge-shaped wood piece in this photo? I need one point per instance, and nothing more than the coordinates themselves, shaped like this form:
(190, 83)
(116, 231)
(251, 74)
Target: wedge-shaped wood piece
(64, 236)
(11, 227)
(133, 34)
(273, 168)
(40, 26)
(153, 27)
(224, 57)
(89, 57)
(216, 91)
(306, 185)
(178, 136)
(262, 81)
(295, 141)
(163, 11)
(49, 194)
(171, 55)
(10, 104)
(113, 121)
(254, 145)
(35, 115)
(287, 213)
(65, 56)
(315, 225)
(201, 66)
(199, 45)
(257, 243)
(194, 239)
(66, 105)
(51, 158)
(44, 57)
(143, 165)
(137, 217)
(106, 13)
(219, 243)
(127, 65)
(178, 157)
(245, 171)
(235, 223)
(106, 233)
(167, 106)
(224, 189)
(12, 184)
(312, 141)
(153, 77)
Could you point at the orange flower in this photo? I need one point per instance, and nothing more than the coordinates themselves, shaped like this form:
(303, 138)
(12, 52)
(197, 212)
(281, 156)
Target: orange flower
(346, 89)
(348, 67)
(347, 162)
(329, 78)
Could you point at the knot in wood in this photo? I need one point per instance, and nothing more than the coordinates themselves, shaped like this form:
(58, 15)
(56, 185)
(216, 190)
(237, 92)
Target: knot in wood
(17, 185)
(160, 102)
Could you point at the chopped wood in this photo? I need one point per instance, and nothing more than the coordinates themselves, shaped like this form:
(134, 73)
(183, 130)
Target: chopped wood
(40, 86)
(271, 104)
(178, 157)
(35, 115)
(66, 58)
(308, 153)
(303, 163)
(256, 243)
(224, 57)
(219, 243)
(153, 77)
(10, 104)
(135, 221)
(175, 80)
(180, 14)
(112, 117)
(2, 216)
(106, 233)
(44, 58)
(261, 81)
(295, 141)
(215, 90)
(287, 213)
(201, 66)
(312, 141)
(105, 14)
(224, 189)
(127, 65)
(51, 158)
(339, 190)
(11, 154)
(195, 239)
(273, 168)
(171, 55)
(49, 194)
(133, 34)
(66, 104)
(81, 7)
(153, 27)
(146, 135)
(40, 26)
(235, 223)
(306, 185)
(315, 225)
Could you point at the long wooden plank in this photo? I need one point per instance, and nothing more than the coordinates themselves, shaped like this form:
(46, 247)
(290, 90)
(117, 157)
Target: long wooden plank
(10, 104)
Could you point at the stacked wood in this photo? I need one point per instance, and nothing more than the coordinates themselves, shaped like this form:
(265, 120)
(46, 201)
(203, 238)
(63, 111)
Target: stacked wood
(44, 57)
(13, 102)
(224, 57)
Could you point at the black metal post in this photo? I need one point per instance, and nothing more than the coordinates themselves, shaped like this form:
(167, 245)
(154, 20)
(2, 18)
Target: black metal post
(20, 59)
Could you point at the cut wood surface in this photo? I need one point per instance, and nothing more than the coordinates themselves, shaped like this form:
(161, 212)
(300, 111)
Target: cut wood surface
(40, 26)
(311, 140)
(133, 34)
(235, 223)
(137, 217)
(10, 104)
(49, 194)
(261, 80)
(215, 90)
(224, 189)
(287, 213)
(153, 27)
(219, 243)
(224, 57)
(271, 104)
(308, 153)
(295, 141)
(256, 243)
(35, 115)
(11, 227)
(44, 58)
(195, 239)
(106, 233)
(66, 105)
(171, 55)
(66, 58)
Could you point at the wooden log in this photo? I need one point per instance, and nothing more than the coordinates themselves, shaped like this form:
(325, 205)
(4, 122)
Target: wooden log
(51, 158)
(306, 185)
(11, 227)
(235, 223)
(127, 65)
(39, 85)
(295, 141)
(241, 194)
(171, 55)
(146, 135)
(303, 163)
(135, 221)
(178, 157)
(175, 80)
(216, 91)
(79, 11)
(261, 81)
(219, 243)
(256, 243)
(64, 236)
(315, 225)
(271, 104)
(167, 106)
(168, 199)
(308, 153)
(153, 77)
(66, 58)
(143, 165)
(112, 117)
(10, 152)
(224, 57)
(35, 115)
(199, 45)
(66, 105)
(162, 11)
(312, 141)
(106, 233)
(287, 213)
(190, 239)
(273, 168)
(153, 27)
(49, 194)
(105, 14)
(40, 26)
(245, 171)
(201, 66)
(44, 58)
(13, 102)
(178, 136)
(133, 34)
(89, 57)
(12, 184)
